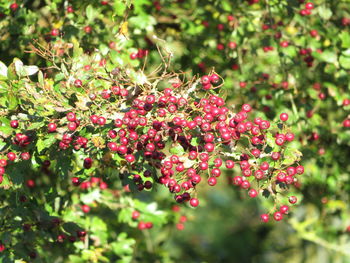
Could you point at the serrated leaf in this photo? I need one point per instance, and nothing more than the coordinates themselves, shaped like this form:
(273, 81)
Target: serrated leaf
(35, 125)
(46, 143)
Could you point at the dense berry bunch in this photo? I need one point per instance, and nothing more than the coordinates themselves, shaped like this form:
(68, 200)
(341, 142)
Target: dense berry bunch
(178, 135)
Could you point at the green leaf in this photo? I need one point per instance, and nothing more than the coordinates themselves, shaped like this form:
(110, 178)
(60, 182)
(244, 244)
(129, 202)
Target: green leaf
(41, 78)
(3, 87)
(77, 52)
(19, 68)
(5, 130)
(178, 150)
(291, 156)
(12, 101)
(290, 51)
(46, 143)
(11, 72)
(344, 62)
(138, 5)
(345, 39)
(3, 71)
(90, 13)
(142, 21)
(324, 12)
(91, 197)
(123, 245)
(119, 8)
(35, 125)
(226, 6)
(30, 70)
(195, 141)
(328, 56)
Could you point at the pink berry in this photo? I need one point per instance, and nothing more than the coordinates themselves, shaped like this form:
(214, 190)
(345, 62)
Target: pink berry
(284, 116)
(264, 218)
(194, 202)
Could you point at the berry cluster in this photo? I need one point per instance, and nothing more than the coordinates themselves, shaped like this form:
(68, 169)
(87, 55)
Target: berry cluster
(173, 138)
(141, 53)
(307, 10)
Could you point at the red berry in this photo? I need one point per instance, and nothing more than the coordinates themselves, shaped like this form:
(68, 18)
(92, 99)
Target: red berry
(52, 127)
(25, 156)
(309, 6)
(11, 156)
(300, 169)
(284, 116)
(71, 117)
(30, 183)
(232, 45)
(245, 185)
(214, 78)
(85, 208)
(133, 56)
(292, 199)
(209, 147)
(14, 6)
(3, 162)
(70, 9)
(194, 202)
(229, 164)
(78, 83)
(264, 166)
(88, 29)
(135, 215)
(14, 124)
(101, 121)
(75, 181)
(205, 80)
(264, 218)
(87, 163)
(278, 216)
(313, 33)
(212, 181)
(130, 158)
(252, 193)
(246, 107)
(72, 126)
(346, 123)
(55, 32)
(284, 209)
(141, 225)
(217, 162)
(275, 156)
(149, 225)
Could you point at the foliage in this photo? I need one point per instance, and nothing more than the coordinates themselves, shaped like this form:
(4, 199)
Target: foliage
(277, 56)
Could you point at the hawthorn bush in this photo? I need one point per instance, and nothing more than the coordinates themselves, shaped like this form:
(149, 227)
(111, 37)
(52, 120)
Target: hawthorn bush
(72, 142)
(101, 128)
